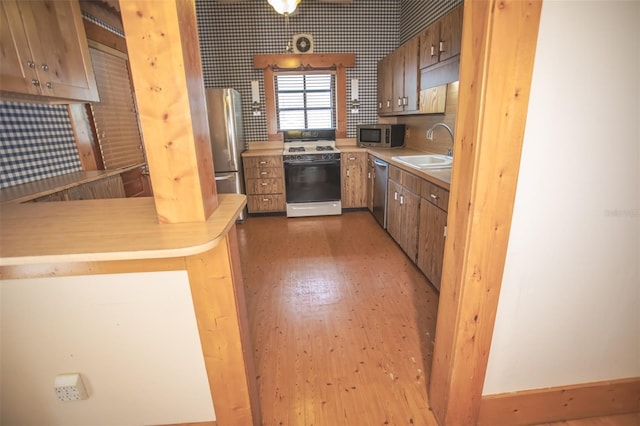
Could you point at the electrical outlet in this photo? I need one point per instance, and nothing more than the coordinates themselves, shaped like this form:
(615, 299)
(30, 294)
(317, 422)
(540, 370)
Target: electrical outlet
(70, 387)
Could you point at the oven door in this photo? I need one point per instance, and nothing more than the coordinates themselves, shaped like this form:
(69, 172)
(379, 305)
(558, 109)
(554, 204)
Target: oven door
(310, 181)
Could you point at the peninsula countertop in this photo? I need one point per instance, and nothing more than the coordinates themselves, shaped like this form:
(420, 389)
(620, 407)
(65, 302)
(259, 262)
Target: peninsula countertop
(107, 229)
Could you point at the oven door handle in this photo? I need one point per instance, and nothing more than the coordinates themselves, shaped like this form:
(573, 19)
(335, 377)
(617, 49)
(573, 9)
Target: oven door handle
(312, 163)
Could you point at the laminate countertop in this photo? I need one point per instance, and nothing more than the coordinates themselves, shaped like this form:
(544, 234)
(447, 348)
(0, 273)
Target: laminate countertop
(108, 229)
(440, 177)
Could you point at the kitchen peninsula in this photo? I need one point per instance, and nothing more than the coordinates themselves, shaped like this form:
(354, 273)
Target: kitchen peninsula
(97, 239)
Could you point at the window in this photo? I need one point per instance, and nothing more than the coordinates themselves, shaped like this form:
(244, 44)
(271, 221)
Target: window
(305, 100)
(115, 116)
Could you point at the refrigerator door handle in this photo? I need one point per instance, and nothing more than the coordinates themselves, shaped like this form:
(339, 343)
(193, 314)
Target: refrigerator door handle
(225, 177)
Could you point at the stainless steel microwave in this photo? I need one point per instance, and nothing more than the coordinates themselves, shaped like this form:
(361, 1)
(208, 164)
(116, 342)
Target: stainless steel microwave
(381, 135)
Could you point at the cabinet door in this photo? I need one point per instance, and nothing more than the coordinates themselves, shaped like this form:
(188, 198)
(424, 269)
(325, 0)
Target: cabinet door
(451, 34)
(411, 50)
(354, 180)
(385, 85)
(397, 59)
(59, 47)
(433, 222)
(394, 221)
(409, 207)
(17, 68)
(429, 45)
(370, 182)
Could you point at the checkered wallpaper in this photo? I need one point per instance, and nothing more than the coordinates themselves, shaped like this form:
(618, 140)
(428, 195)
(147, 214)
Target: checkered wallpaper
(231, 33)
(36, 142)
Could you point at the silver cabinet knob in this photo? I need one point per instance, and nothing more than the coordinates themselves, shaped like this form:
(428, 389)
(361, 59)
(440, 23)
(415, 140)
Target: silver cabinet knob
(31, 64)
(35, 82)
(49, 85)
(44, 67)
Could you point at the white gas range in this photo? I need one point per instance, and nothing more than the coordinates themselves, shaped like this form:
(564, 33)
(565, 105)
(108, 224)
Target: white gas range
(312, 173)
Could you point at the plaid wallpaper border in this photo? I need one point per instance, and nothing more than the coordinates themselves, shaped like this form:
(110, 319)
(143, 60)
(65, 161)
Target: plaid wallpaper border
(36, 142)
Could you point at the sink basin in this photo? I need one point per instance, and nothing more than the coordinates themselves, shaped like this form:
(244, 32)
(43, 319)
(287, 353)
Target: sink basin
(427, 161)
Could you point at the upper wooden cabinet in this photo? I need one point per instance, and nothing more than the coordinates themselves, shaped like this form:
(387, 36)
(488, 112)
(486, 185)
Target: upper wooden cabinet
(441, 40)
(398, 76)
(44, 50)
(385, 85)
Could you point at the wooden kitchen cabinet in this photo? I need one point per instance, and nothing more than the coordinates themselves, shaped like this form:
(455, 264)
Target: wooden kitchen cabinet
(44, 50)
(405, 76)
(264, 180)
(371, 174)
(385, 85)
(107, 187)
(398, 77)
(353, 167)
(403, 209)
(432, 231)
(442, 40)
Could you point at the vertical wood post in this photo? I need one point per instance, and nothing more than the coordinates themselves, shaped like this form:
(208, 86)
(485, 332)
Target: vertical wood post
(498, 48)
(164, 55)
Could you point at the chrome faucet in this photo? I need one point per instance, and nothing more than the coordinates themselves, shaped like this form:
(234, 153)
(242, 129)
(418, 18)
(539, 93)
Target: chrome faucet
(430, 136)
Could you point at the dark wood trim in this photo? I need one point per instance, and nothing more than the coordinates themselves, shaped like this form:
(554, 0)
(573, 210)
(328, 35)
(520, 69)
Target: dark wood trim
(105, 37)
(341, 105)
(561, 403)
(270, 105)
(305, 61)
(335, 61)
(85, 136)
(497, 35)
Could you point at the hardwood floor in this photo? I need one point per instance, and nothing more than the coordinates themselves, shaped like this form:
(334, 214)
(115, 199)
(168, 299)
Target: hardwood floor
(342, 322)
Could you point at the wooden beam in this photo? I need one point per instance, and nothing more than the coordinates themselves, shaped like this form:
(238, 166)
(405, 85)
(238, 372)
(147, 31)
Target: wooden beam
(167, 75)
(498, 48)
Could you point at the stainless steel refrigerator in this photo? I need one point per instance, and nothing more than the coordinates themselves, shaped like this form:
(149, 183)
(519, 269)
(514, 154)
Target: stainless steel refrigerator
(227, 140)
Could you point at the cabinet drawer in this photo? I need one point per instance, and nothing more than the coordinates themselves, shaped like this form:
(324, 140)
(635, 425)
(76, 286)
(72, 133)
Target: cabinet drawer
(435, 195)
(410, 182)
(265, 203)
(265, 186)
(262, 173)
(263, 161)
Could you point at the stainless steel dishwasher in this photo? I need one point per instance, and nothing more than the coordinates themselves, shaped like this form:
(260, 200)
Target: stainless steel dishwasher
(380, 177)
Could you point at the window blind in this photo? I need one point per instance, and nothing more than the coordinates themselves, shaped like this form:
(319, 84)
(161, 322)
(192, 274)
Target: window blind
(115, 116)
(305, 100)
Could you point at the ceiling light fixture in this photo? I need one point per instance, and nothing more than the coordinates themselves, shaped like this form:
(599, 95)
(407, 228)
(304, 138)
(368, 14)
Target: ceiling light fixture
(284, 7)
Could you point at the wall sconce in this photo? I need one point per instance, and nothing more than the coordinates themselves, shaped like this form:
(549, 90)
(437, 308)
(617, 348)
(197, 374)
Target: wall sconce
(355, 103)
(255, 97)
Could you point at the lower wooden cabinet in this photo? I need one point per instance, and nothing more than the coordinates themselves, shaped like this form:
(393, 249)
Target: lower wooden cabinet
(264, 181)
(417, 220)
(433, 226)
(108, 187)
(371, 174)
(403, 207)
(353, 166)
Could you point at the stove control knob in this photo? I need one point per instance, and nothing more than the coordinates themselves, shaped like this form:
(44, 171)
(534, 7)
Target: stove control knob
(298, 157)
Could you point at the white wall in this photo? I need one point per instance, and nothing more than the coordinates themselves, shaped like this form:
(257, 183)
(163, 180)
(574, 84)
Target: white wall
(569, 309)
(133, 337)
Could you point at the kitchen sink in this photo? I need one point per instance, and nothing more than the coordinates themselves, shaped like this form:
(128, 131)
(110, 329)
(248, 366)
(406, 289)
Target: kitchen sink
(426, 161)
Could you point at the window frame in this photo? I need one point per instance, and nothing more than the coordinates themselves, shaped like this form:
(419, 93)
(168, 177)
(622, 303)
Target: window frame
(337, 62)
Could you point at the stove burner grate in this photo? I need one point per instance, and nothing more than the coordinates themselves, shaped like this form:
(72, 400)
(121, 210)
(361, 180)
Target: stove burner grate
(296, 149)
(324, 148)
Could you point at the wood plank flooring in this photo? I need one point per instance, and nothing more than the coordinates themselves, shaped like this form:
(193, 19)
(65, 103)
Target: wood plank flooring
(342, 322)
